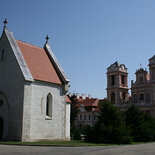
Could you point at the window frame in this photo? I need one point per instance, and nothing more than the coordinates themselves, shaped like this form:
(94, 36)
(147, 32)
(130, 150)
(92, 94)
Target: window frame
(49, 104)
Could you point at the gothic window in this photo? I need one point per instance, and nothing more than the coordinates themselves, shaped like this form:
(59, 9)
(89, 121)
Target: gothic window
(122, 79)
(141, 97)
(49, 105)
(113, 97)
(113, 80)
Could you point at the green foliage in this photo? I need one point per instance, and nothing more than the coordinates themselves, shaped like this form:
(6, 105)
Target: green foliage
(109, 127)
(88, 132)
(142, 126)
(74, 111)
(75, 133)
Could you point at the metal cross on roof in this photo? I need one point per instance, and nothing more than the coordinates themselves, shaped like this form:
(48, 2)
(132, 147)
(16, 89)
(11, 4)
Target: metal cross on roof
(140, 65)
(47, 38)
(5, 22)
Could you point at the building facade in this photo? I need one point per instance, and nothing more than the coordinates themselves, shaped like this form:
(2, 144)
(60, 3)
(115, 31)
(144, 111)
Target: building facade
(142, 89)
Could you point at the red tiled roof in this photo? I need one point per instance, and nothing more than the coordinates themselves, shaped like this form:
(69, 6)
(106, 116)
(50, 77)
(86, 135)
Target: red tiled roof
(89, 102)
(38, 63)
(67, 99)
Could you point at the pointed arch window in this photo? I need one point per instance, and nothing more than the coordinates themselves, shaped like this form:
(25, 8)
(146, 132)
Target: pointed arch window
(49, 101)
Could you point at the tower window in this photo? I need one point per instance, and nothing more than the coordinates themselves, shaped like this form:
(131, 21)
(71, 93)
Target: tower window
(122, 79)
(113, 80)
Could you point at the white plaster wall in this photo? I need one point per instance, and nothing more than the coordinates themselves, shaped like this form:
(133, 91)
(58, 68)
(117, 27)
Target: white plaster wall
(26, 126)
(11, 85)
(68, 106)
(40, 126)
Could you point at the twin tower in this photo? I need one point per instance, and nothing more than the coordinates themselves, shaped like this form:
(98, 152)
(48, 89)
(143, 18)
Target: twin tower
(142, 89)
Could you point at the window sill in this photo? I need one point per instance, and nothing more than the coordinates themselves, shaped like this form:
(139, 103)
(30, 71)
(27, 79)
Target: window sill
(48, 118)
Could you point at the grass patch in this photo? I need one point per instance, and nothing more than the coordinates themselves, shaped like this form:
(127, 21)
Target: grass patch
(61, 143)
(55, 143)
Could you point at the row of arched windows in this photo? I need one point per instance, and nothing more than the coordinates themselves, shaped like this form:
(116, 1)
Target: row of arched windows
(141, 97)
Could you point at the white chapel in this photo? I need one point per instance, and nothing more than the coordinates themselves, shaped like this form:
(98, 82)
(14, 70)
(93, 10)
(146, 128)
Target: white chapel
(33, 87)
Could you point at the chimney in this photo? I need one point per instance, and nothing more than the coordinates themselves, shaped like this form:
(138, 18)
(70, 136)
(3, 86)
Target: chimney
(83, 96)
(89, 96)
(77, 95)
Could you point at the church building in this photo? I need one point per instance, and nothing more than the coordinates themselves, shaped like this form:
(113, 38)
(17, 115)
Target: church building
(142, 89)
(33, 87)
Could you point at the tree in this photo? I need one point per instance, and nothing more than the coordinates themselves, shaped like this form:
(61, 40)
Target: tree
(75, 132)
(109, 127)
(74, 110)
(141, 125)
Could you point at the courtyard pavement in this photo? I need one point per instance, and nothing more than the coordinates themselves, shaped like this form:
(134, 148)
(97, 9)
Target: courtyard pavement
(140, 149)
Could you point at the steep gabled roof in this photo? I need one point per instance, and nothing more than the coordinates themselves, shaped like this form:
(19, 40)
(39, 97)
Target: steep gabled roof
(39, 63)
(36, 63)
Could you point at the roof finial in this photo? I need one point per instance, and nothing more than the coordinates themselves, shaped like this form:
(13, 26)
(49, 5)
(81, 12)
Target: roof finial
(5, 22)
(47, 39)
(140, 65)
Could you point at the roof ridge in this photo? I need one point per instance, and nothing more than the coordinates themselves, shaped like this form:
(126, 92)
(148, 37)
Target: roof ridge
(28, 43)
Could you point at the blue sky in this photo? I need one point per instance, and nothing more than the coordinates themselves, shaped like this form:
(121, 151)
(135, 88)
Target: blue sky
(87, 36)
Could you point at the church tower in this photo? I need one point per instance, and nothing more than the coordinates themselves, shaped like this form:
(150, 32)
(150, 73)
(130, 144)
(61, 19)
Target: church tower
(117, 84)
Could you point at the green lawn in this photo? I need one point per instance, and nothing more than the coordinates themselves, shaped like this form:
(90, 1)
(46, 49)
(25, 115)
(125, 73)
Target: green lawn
(59, 143)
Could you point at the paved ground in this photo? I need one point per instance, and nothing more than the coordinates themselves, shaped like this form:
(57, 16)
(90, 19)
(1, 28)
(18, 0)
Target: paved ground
(141, 149)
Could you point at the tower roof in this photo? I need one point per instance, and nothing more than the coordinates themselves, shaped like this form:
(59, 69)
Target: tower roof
(117, 63)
